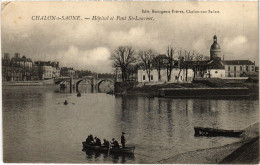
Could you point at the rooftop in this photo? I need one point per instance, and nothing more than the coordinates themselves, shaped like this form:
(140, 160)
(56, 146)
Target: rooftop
(238, 62)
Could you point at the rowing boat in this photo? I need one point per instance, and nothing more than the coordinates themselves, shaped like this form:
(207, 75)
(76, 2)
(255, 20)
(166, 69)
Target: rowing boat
(126, 150)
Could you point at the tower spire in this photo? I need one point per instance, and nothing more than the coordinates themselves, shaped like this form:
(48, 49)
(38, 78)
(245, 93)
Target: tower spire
(215, 39)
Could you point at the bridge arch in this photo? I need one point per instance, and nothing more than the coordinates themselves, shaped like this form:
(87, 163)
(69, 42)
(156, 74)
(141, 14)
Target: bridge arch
(78, 82)
(103, 80)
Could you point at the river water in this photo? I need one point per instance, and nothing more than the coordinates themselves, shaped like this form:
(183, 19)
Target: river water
(38, 127)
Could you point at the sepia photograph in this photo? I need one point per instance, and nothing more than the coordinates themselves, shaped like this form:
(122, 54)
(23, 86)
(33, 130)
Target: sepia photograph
(130, 82)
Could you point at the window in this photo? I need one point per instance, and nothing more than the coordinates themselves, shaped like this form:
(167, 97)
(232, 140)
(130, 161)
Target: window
(240, 68)
(235, 75)
(235, 68)
(229, 75)
(143, 77)
(176, 77)
(247, 68)
(216, 71)
(253, 69)
(228, 67)
(151, 77)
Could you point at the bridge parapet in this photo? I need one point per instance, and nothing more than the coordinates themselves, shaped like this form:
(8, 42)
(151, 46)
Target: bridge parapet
(74, 82)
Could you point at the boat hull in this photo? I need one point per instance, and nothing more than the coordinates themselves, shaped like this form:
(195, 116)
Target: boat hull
(126, 150)
(200, 131)
(94, 148)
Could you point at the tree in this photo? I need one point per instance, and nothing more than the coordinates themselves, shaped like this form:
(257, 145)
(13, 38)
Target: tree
(188, 62)
(158, 64)
(131, 71)
(181, 61)
(147, 57)
(201, 64)
(170, 64)
(185, 61)
(122, 57)
(24, 73)
(197, 65)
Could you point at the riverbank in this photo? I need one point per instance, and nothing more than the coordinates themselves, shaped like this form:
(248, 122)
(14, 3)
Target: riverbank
(245, 151)
(152, 89)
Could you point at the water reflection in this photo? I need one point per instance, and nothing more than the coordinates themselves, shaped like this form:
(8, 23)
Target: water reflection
(169, 118)
(115, 158)
(159, 128)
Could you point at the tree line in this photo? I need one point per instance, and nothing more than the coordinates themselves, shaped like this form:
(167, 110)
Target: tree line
(126, 58)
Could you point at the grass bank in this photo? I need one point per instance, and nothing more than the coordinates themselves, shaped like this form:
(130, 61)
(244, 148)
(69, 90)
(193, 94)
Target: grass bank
(152, 89)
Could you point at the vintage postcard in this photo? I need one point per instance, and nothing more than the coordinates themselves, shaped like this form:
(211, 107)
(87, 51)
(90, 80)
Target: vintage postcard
(130, 82)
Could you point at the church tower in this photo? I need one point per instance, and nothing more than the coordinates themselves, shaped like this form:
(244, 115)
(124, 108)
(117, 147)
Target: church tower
(215, 52)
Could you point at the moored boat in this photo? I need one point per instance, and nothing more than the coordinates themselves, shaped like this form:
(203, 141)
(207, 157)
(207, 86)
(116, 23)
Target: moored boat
(201, 131)
(126, 150)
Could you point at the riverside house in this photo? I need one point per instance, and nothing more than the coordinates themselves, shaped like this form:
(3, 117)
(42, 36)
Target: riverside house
(186, 71)
(16, 68)
(235, 68)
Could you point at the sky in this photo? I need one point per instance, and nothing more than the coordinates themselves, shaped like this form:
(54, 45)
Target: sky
(87, 44)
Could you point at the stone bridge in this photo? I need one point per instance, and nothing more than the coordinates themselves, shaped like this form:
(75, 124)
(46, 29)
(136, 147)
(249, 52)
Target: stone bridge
(74, 82)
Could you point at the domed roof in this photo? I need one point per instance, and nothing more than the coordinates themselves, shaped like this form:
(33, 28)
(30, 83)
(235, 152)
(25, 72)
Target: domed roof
(215, 45)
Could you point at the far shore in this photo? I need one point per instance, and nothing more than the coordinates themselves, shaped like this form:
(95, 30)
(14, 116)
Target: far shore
(152, 90)
(29, 83)
(245, 151)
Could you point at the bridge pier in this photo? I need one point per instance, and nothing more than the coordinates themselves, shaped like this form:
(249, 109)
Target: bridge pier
(70, 85)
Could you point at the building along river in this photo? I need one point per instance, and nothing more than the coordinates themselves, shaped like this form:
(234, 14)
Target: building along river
(38, 127)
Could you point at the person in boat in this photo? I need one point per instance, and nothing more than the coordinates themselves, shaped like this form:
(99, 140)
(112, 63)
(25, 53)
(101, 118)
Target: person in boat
(98, 142)
(123, 140)
(115, 144)
(65, 102)
(88, 140)
(92, 142)
(106, 143)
